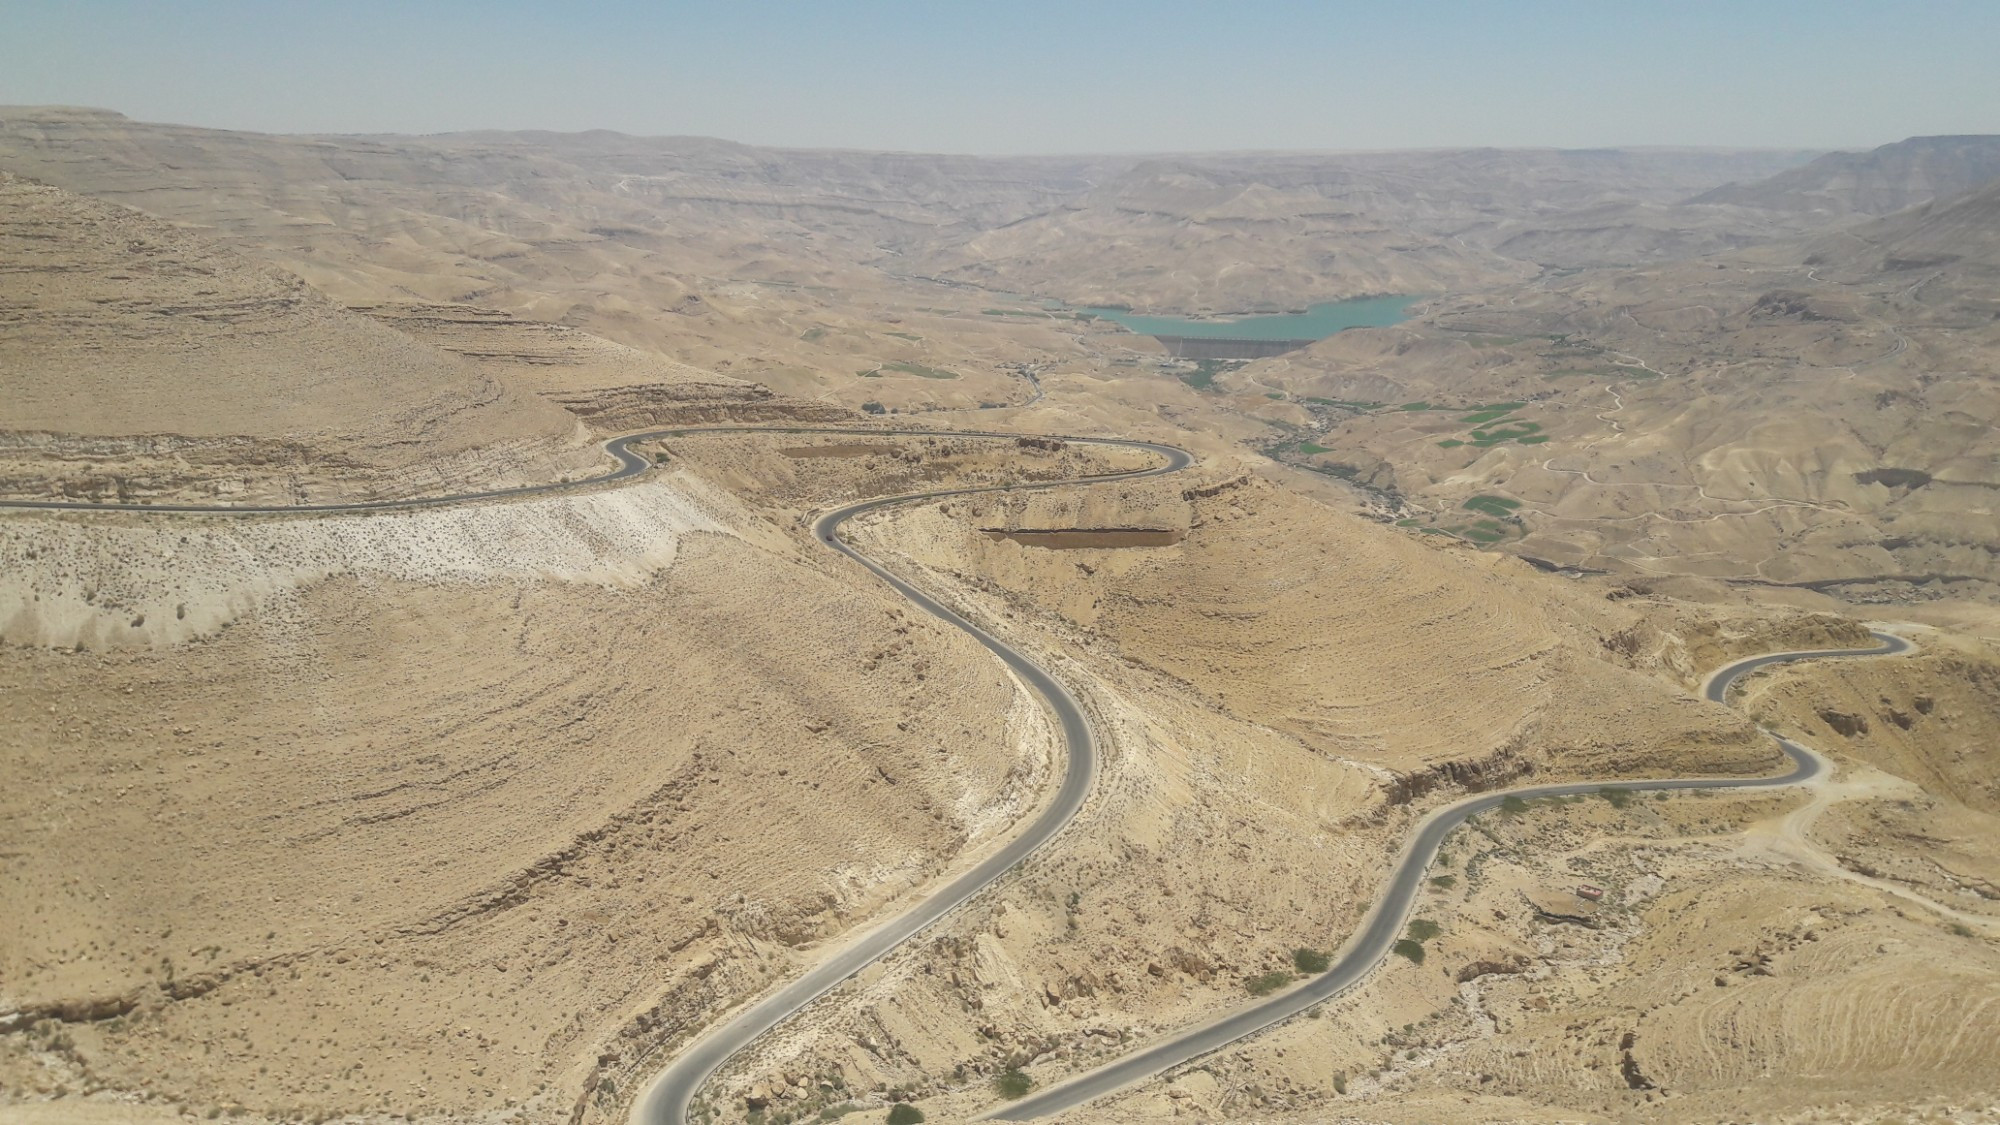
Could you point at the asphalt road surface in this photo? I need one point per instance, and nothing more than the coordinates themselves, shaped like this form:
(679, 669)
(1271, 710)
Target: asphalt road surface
(629, 464)
(1366, 949)
(665, 1100)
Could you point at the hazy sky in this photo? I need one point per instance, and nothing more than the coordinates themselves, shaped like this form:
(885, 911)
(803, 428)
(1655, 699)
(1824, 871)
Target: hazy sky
(1036, 76)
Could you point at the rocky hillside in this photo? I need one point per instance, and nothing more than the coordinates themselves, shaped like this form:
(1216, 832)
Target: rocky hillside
(518, 218)
(139, 360)
(1274, 231)
(1876, 182)
(1814, 413)
(1955, 241)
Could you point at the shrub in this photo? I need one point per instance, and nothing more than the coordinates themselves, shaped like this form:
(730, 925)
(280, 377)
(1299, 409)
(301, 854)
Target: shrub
(1311, 960)
(1444, 882)
(873, 408)
(1340, 1083)
(1013, 1084)
(1414, 950)
(903, 1113)
(1423, 929)
(1513, 806)
(1266, 983)
(1619, 798)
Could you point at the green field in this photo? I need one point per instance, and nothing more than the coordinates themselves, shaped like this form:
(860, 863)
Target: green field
(917, 369)
(1345, 404)
(1499, 506)
(1495, 423)
(1495, 412)
(1513, 429)
(1202, 378)
(1497, 521)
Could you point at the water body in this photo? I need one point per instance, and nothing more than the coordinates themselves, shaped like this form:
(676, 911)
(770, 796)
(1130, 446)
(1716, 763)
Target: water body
(1316, 323)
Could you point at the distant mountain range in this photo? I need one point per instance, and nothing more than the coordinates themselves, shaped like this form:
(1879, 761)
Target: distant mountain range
(1876, 182)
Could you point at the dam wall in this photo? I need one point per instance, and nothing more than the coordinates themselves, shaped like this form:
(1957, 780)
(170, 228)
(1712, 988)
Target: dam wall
(1217, 347)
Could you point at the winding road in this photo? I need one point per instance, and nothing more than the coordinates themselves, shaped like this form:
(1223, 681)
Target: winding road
(630, 464)
(666, 1099)
(1378, 933)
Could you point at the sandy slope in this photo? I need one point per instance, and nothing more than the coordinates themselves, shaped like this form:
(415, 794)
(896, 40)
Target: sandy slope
(139, 360)
(1813, 413)
(423, 823)
(1219, 798)
(427, 815)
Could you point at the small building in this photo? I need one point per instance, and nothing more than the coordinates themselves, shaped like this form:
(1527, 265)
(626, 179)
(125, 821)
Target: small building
(1585, 890)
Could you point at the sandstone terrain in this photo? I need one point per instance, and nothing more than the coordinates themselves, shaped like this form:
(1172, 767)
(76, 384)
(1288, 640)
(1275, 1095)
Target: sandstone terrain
(481, 812)
(141, 362)
(1809, 413)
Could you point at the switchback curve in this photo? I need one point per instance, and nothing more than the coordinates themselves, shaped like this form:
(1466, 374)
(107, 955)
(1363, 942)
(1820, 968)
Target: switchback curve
(1373, 941)
(665, 1100)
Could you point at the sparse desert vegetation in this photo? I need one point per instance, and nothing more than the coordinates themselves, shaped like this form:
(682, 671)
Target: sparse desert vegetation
(486, 810)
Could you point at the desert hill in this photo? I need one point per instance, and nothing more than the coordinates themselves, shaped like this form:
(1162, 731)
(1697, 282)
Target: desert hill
(596, 196)
(514, 217)
(1877, 182)
(274, 779)
(141, 360)
(748, 262)
(1954, 241)
(1271, 232)
(1626, 234)
(1836, 188)
(476, 813)
(1813, 412)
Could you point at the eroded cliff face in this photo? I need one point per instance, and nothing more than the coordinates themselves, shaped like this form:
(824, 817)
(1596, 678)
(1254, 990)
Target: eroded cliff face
(144, 363)
(399, 795)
